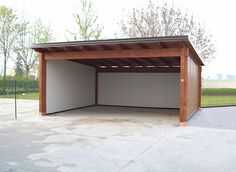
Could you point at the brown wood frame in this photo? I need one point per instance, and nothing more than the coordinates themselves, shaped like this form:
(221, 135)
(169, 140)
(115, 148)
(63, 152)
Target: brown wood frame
(42, 84)
(141, 70)
(96, 87)
(167, 52)
(199, 86)
(121, 56)
(183, 84)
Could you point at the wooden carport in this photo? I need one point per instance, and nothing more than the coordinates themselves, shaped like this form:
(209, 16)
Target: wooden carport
(156, 54)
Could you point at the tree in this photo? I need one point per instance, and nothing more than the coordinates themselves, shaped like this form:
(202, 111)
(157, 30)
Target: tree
(231, 77)
(86, 21)
(30, 34)
(219, 76)
(18, 68)
(164, 20)
(8, 33)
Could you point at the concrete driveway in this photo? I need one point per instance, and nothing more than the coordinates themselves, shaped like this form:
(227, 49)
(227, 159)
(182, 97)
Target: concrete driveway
(114, 139)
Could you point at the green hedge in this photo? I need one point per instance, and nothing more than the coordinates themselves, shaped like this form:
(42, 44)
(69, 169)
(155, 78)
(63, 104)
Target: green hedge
(22, 85)
(218, 91)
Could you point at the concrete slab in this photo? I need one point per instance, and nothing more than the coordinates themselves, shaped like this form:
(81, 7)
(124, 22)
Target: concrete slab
(113, 139)
(218, 117)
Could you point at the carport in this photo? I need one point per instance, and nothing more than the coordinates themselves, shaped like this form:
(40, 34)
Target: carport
(156, 72)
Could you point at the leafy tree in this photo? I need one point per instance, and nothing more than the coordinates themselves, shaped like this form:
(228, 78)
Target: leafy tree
(18, 68)
(8, 33)
(30, 34)
(86, 21)
(164, 20)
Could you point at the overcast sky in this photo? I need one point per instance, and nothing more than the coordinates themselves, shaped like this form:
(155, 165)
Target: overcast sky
(218, 16)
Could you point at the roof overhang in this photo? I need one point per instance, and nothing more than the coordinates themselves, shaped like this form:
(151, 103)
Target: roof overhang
(132, 52)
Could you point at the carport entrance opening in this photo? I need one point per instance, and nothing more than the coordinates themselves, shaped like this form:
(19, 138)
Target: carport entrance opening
(161, 72)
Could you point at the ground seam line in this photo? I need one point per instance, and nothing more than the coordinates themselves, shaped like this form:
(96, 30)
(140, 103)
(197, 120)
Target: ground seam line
(149, 147)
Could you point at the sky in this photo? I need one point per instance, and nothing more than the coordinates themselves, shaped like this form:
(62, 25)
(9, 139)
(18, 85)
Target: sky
(218, 17)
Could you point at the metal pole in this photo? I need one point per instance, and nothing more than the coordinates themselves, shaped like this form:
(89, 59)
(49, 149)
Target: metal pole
(15, 100)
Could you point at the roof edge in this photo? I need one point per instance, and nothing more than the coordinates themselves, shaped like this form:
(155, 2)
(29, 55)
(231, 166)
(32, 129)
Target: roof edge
(111, 41)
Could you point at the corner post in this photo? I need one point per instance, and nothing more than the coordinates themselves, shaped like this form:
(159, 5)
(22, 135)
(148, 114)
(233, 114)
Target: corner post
(96, 86)
(42, 84)
(183, 85)
(199, 87)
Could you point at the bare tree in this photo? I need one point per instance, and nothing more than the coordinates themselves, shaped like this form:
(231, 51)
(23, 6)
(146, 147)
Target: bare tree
(30, 34)
(8, 33)
(164, 20)
(86, 21)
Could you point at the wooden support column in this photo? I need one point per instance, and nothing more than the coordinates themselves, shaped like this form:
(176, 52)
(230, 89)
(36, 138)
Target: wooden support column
(199, 86)
(96, 87)
(183, 85)
(42, 84)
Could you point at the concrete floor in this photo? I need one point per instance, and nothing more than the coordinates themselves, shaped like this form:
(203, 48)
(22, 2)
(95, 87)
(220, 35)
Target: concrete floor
(114, 139)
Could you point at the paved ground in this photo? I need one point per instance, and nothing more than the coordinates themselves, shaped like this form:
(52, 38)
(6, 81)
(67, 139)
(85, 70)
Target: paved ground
(116, 139)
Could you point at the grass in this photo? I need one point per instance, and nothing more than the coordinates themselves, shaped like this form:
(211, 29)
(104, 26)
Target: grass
(210, 96)
(208, 101)
(219, 91)
(28, 96)
(218, 97)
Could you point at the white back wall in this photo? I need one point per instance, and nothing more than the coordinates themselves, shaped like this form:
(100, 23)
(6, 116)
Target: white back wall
(139, 89)
(69, 85)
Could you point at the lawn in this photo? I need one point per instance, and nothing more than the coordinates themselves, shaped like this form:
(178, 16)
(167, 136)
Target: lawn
(218, 101)
(218, 97)
(219, 91)
(210, 96)
(28, 96)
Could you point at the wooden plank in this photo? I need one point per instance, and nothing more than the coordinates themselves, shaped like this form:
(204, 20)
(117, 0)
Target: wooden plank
(193, 88)
(42, 84)
(141, 70)
(199, 86)
(96, 87)
(168, 52)
(183, 85)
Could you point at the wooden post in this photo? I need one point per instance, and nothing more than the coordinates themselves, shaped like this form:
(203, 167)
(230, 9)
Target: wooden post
(199, 86)
(42, 84)
(96, 87)
(183, 85)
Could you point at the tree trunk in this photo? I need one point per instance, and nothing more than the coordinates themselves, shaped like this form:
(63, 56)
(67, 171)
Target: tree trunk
(27, 72)
(4, 73)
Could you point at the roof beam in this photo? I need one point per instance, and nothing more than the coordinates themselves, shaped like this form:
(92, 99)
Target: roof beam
(147, 53)
(163, 45)
(142, 69)
(143, 62)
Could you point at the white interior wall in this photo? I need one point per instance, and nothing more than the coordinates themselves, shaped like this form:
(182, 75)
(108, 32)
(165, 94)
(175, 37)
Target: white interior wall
(69, 85)
(139, 89)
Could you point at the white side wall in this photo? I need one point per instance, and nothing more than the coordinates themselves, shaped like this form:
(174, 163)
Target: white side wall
(68, 85)
(139, 89)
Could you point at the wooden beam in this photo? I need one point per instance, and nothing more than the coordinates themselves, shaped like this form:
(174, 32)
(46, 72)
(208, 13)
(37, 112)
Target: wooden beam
(158, 62)
(143, 46)
(165, 61)
(123, 46)
(141, 70)
(144, 62)
(167, 52)
(129, 62)
(105, 47)
(87, 62)
(183, 85)
(42, 84)
(163, 45)
(96, 87)
(199, 86)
